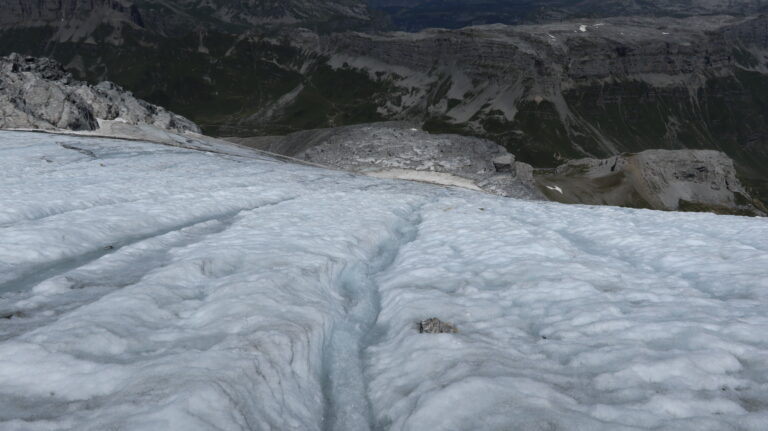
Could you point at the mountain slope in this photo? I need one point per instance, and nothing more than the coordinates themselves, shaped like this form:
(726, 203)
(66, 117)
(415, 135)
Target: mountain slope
(151, 287)
(420, 14)
(39, 94)
(593, 88)
(78, 19)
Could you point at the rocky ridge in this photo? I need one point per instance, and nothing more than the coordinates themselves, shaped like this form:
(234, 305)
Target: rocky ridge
(402, 150)
(466, 76)
(81, 20)
(680, 180)
(40, 94)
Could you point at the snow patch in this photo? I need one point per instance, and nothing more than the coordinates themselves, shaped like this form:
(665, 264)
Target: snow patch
(556, 188)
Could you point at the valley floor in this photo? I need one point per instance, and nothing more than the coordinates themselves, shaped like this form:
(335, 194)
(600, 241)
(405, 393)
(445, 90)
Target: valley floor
(150, 287)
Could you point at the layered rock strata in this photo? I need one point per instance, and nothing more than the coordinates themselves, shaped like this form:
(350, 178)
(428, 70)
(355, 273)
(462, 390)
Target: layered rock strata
(687, 180)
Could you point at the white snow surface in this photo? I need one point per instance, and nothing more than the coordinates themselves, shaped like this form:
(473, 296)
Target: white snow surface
(556, 188)
(147, 287)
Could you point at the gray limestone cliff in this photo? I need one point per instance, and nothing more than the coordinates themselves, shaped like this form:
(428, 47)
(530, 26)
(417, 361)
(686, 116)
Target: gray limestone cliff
(420, 14)
(36, 93)
(683, 180)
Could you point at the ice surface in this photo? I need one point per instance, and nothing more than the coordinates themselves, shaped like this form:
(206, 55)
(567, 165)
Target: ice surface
(146, 287)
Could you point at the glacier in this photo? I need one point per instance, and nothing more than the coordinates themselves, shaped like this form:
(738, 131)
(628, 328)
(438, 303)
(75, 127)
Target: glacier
(148, 287)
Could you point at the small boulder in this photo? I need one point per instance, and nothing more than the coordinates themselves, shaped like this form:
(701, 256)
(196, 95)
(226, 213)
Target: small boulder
(436, 326)
(504, 163)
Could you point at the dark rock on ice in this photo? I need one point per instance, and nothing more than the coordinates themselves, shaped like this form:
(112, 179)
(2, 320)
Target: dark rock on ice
(436, 326)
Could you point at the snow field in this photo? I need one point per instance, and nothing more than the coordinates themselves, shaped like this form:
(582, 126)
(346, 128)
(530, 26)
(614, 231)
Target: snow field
(148, 287)
(616, 319)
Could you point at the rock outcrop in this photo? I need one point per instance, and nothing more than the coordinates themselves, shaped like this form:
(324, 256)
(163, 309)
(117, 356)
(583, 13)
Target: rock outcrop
(402, 150)
(687, 180)
(36, 93)
(436, 326)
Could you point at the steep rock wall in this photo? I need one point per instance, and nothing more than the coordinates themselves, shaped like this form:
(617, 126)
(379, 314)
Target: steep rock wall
(38, 93)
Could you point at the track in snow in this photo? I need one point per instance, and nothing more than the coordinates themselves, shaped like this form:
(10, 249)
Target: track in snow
(347, 406)
(52, 269)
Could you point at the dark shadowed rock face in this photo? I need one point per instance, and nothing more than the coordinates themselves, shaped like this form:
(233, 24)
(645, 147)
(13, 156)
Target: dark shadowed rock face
(686, 180)
(39, 94)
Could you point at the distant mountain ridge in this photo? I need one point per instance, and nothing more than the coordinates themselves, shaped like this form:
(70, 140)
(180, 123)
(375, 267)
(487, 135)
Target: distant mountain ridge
(78, 19)
(421, 14)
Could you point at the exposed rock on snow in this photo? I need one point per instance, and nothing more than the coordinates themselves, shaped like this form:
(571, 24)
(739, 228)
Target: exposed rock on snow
(399, 150)
(37, 93)
(658, 179)
(436, 326)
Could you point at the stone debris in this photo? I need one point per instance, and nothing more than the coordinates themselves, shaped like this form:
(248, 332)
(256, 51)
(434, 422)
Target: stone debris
(37, 93)
(397, 147)
(436, 326)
